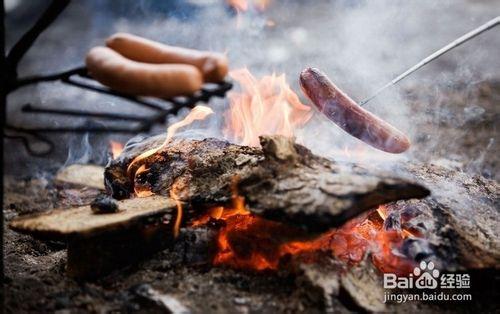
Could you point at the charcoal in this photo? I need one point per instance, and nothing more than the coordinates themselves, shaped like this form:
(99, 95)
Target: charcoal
(196, 246)
(103, 204)
(358, 288)
(362, 289)
(393, 222)
(409, 212)
(417, 249)
(321, 282)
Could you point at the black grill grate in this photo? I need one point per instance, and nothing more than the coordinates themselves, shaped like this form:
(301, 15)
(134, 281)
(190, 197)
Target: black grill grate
(79, 78)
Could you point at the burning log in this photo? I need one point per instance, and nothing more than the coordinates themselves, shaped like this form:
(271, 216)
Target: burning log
(297, 187)
(464, 210)
(281, 181)
(328, 279)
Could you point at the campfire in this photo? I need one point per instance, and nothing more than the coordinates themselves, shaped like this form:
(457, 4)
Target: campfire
(247, 241)
(225, 202)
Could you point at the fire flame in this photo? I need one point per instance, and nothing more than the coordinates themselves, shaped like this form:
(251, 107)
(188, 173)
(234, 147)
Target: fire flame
(178, 218)
(243, 5)
(265, 106)
(136, 167)
(220, 212)
(197, 113)
(116, 148)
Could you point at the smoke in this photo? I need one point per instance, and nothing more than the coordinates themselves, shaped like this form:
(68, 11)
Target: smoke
(79, 150)
(361, 45)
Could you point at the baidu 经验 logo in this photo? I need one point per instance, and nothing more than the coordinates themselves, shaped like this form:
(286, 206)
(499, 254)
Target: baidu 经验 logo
(424, 276)
(427, 279)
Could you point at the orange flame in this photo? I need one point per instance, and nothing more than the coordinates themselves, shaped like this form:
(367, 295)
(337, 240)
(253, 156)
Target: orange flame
(136, 167)
(243, 5)
(197, 113)
(382, 211)
(237, 207)
(265, 106)
(238, 5)
(116, 148)
(246, 241)
(138, 191)
(178, 218)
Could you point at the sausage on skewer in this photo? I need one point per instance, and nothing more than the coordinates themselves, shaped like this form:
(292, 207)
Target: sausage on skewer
(346, 113)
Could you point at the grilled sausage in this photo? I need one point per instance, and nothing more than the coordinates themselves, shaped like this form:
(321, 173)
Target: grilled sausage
(347, 114)
(214, 66)
(160, 80)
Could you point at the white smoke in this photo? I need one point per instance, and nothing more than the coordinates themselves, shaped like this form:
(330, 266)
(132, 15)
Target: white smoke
(360, 44)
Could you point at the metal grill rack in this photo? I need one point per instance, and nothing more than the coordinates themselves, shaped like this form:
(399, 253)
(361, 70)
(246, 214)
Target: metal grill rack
(78, 77)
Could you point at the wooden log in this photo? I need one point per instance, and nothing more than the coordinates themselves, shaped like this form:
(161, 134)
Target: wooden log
(81, 176)
(101, 243)
(61, 224)
(462, 215)
(364, 288)
(200, 170)
(294, 186)
(281, 181)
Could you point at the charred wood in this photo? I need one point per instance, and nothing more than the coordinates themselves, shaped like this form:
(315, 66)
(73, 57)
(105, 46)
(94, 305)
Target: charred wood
(460, 219)
(281, 181)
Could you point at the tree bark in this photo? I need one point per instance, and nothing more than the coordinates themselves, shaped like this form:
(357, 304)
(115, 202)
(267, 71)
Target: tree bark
(281, 181)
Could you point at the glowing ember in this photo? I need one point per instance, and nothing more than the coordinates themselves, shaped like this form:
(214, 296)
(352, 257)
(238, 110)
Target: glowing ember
(263, 107)
(253, 243)
(382, 211)
(141, 192)
(116, 148)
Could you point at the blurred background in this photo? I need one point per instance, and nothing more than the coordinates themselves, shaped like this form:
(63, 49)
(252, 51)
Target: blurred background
(450, 108)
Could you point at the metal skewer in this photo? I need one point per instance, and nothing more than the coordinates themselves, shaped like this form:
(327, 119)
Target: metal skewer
(457, 42)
